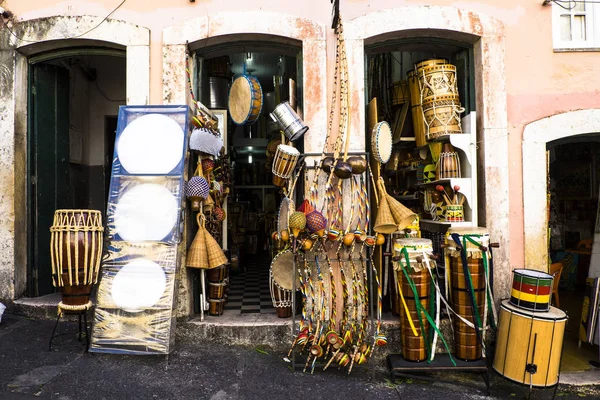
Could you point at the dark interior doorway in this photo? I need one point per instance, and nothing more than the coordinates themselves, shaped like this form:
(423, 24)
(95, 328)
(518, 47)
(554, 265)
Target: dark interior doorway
(574, 183)
(72, 103)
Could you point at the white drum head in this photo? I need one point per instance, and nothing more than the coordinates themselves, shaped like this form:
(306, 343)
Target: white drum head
(146, 212)
(138, 285)
(288, 149)
(382, 142)
(151, 144)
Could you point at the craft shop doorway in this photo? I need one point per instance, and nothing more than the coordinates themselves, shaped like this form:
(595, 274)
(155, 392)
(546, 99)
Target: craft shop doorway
(253, 201)
(573, 186)
(73, 96)
(397, 74)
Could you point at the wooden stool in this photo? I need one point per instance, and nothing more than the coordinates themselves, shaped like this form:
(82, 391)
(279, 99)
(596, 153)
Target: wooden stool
(81, 312)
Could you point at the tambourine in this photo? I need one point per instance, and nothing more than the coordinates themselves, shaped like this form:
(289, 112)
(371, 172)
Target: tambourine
(381, 142)
(282, 270)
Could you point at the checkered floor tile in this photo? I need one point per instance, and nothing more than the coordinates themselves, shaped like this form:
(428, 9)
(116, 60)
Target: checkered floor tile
(249, 290)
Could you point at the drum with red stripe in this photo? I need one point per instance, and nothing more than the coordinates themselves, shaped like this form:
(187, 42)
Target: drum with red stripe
(531, 290)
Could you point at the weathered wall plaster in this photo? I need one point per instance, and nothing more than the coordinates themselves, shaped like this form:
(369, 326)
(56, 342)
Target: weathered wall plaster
(32, 37)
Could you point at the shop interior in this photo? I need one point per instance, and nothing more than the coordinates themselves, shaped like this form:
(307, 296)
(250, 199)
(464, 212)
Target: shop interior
(574, 166)
(253, 202)
(388, 64)
(79, 95)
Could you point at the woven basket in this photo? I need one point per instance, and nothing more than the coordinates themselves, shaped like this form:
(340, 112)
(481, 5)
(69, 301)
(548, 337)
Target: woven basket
(401, 214)
(216, 256)
(196, 255)
(385, 222)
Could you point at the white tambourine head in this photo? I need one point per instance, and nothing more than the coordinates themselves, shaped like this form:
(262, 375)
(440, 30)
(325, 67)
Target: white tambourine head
(151, 144)
(146, 212)
(383, 141)
(138, 285)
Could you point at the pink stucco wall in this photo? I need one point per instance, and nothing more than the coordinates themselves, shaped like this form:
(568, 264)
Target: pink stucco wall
(539, 82)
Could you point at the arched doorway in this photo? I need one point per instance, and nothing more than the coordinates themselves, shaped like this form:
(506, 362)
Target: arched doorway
(290, 41)
(560, 157)
(484, 35)
(29, 45)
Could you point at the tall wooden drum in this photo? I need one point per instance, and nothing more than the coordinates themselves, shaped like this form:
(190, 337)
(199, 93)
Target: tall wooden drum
(529, 345)
(416, 109)
(467, 343)
(76, 242)
(414, 348)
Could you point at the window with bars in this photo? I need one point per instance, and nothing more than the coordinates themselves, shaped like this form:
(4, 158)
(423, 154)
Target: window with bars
(574, 25)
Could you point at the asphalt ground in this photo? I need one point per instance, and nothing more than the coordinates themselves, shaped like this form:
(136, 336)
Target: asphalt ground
(28, 370)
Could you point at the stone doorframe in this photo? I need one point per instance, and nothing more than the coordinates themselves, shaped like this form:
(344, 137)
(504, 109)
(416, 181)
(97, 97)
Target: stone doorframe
(487, 37)
(34, 37)
(247, 25)
(536, 136)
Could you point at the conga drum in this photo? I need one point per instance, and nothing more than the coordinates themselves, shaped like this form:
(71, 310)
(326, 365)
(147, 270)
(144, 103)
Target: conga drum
(467, 343)
(284, 162)
(281, 277)
(245, 100)
(76, 243)
(414, 348)
(531, 290)
(529, 345)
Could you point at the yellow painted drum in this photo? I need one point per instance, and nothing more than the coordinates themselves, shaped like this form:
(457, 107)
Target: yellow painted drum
(529, 345)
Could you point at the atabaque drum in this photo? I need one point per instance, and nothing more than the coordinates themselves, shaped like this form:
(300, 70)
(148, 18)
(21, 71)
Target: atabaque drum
(437, 80)
(531, 289)
(441, 116)
(245, 100)
(529, 345)
(76, 243)
(284, 162)
(414, 291)
(467, 283)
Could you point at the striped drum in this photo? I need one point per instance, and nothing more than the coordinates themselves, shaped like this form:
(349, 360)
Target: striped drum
(531, 290)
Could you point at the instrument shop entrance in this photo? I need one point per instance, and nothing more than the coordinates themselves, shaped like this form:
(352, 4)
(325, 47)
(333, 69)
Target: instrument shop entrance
(74, 97)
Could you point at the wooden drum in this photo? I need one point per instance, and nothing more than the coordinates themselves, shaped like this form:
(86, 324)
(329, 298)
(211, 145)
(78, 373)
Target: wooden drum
(400, 93)
(416, 109)
(414, 348)
(437, 80)
(284, 162)
(529, 345)
(76, 242)
(442, 116)
(245, 100)
(467, 344)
